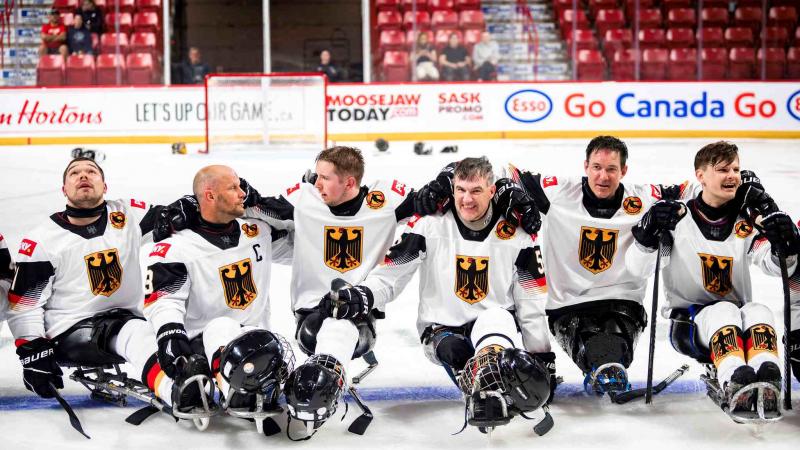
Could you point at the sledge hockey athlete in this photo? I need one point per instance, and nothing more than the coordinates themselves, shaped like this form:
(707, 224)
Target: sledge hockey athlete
(207, 297)
(6, 274)
(709, 297)
(481, 283)
(594, 305)
(77, 290)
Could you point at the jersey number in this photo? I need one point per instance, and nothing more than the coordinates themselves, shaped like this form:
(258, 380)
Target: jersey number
(148, 282)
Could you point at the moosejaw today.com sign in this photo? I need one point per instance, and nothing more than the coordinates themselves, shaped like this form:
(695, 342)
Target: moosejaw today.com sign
(406, 111)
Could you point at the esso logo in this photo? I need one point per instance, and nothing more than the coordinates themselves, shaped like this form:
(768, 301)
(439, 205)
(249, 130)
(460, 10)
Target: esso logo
(528, 106)
(793, 105)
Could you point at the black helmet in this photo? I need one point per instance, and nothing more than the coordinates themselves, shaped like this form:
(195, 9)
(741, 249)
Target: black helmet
(254, 361)
(526, 379)
(312, 391)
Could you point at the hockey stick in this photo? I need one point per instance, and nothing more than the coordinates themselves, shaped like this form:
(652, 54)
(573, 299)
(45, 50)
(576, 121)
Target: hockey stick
(626, 396)
(787, 319)
(648, 398)
(73, 419)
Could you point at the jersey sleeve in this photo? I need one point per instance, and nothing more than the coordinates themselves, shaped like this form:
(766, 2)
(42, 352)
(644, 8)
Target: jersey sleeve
(166, 285)
(6, 275)
(761, 254)
(30, 290)
(529, 291)
(277, 211)
(389, 279)
(282, 246)
(533, 183)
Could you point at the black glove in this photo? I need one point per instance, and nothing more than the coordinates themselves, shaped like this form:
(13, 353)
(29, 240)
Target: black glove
(794, 352)
(753, 197)
(549, 360)
(176, 216)
(435, 195)
(781, 233)
(40, 371)
(517, 206)
(309, 177)
(660, 218)
(353, 302)
(251, 196)
(173, 349)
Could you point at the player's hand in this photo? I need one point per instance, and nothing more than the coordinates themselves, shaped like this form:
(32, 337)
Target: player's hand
(40, 371)
(781, 233)
(251, 196)
(176, 216)
(309, 177)
(173, 349)
(661, 218)
(517, 206)
(353, 302)
(435, 195)
(753, 197)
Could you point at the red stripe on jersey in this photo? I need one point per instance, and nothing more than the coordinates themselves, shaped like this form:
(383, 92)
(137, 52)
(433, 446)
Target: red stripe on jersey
(20, 342)
(20, 300)
(152, 374)
(215, 365)
(150, 299)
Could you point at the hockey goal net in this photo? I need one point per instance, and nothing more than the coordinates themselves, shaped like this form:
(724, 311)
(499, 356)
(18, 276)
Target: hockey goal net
(283, 111)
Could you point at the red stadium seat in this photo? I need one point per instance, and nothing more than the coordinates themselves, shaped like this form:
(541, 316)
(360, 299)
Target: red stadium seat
(651, 38)
(568, 17)
(741, 63)
(471, 20)
(748, 17)
(630, 7)
(654, 64)
(669, 5)
(440, 5)
(95, 43)
(471, 37)
(682, 64)
(388, 20)
(443, 36)
(591, 65)
(797, 36)
(149, 6)
(50, 70)
(559, 6)
(395, 66)
(714, 17)
(793, 63)
(387, 5)
(442, 20)
(714, 63)
(681, 18)
(614, 40)
(783, 16)
(623, 66)
(144, 43)
(609, 19)
(106, 69)
(466, 5)
(146, 22)
(67, 18)
(391, 40)
(775, 63)
(738, 37)
(775, 36)
(649, 18)
(140, 68)
(123, 19)
(66, 5)
(584, 40)
(108, 43)
(409, 5)
(710, 37)
(125, 6)
(715, 4)
(411, 37)
(680, 38)
(421, 20)
(596, 5)
(80, 70)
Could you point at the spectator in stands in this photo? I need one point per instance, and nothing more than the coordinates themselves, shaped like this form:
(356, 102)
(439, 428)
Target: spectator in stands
(327, 67)
(485, 56)
(194, 70)
(454, 61)
(79, 39)
(92, 16)
(54, 36)
(425, 59)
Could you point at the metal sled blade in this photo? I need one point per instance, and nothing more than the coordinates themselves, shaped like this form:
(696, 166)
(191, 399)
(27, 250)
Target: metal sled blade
(764, 392)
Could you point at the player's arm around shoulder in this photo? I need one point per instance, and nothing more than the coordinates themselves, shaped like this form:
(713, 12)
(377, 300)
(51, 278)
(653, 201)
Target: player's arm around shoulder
(166, 281)
(31, 286)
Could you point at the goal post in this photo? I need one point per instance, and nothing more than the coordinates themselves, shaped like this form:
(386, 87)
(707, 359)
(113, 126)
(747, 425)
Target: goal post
(271, 111)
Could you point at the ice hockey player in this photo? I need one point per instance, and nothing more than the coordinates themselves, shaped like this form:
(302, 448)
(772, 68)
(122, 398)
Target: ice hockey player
(6, 274)
(77, 287)
(481, 283)
(207, 297)
(709, 297)
(594, 305)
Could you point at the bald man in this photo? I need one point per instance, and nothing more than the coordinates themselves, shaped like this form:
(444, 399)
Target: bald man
(206, 295)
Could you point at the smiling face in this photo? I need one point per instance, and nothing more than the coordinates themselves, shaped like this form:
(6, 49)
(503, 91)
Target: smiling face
(604, 171)
(83, 186)
(719, 181)
(472, 197)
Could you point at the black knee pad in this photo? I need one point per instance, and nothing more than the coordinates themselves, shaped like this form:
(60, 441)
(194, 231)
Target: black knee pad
(88, 342)
(684, 337)
(309, 323)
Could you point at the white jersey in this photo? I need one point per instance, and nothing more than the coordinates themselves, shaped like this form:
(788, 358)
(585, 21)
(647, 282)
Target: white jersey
(329, 246)
(66, 273)
(700, 270)
(459, 277)
(200, 274)
(6, 274)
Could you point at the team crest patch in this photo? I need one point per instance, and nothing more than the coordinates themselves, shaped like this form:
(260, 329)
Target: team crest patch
(117, 219)
(743, 229)
(761, 338)
(726, 342)
(717, 273)
(237, 283)
(505, 230)
(472, 278)
(343, 247)
(105, 271)
(632, 205)
(597, 248)
(250, 229)
(376, 199)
